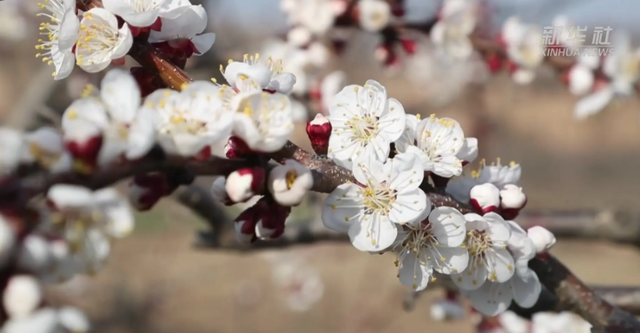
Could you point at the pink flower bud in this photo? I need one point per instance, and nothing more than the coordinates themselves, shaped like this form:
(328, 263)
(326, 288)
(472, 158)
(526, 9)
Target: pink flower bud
(319, 132)
(485, 198)
(271, 224)
(146, 190)
(542, 238)
(86, 150)
(245, 183)
(236, 148)
(512, 201)
(245, 224)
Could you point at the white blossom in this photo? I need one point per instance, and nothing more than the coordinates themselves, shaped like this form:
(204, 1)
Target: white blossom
(183, 27)
(100, 40)
(190, 121)
(623, 66)
(372, 212)
(451, 32)
(542, 239)
(46, 147)
(373, 15)
(252, 74)
(487, 239)
(439, 140)
(42, 321)
(429, 244)
(138, 13)
(316, 15)
(581, 80)
(299, 36)
(523, 287)
(525, 47)
(115, 115)
(548, 322)
(21, 296)
(500, 175)
(364, 124)
(11, 150)
(263, 121)
(73, 320)
(408, 137)
(289, 183)
(61, 31)
(86, 219)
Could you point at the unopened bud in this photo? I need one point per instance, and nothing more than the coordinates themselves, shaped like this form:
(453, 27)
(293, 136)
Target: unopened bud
(289, 183)
(22, 296)
(245, 183)
(512, 201)
(319, 132)
(271, 224)
(485, 198)
(236, 148)
(542, 238)
(146, 190)
(219, 192)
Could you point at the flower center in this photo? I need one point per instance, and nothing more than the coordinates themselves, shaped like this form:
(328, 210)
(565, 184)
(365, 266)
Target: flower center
(364, 129)
(180, 122)
(379, 200)
(291, 178)
(478, 241)
(96, 39)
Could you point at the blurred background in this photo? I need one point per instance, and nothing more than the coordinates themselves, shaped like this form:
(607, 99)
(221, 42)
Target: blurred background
(157, 281)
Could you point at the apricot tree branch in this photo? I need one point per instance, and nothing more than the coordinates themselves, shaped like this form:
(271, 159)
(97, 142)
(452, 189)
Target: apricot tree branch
(571, 293)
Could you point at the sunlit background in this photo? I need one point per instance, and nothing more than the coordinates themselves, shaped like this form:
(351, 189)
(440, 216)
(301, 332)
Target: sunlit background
(157, 281)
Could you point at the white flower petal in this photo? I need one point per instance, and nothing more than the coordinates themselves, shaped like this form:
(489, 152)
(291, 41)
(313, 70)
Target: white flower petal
(526, 292)
(594, 103)
(448, 226)
(374, 233)
(413, 274)
(491, 299)
(342, 208)
(120, 93)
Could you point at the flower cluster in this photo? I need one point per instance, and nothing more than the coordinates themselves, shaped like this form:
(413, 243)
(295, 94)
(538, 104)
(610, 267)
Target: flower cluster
(392, 156)
(101, 36)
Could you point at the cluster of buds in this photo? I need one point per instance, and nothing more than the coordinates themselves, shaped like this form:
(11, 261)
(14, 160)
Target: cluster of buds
(287, 184)
(264, 220)
(146, 190)
(508, 201)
